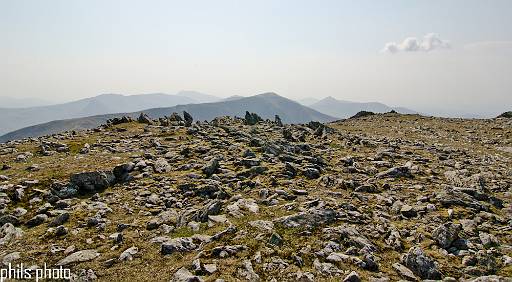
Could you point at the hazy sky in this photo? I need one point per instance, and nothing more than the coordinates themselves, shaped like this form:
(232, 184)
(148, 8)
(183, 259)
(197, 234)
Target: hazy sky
(450, 55)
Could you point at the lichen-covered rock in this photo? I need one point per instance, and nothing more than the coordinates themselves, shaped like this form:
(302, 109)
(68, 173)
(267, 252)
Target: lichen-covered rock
(446, 234)
(161, 166)
(421, 264)
(9, 234)
(309, 219)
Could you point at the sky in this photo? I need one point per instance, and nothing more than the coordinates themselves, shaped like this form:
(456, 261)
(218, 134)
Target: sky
(432, 56)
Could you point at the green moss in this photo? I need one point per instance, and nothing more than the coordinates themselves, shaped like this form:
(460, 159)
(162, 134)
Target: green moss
(184, 231)
(76, 145)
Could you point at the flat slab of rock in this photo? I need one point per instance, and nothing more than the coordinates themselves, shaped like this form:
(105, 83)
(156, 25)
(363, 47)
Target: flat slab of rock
(80, 256)
(408, 211)
(183, 275)
(263, 225)
(311, 218)
(175, 245)
(404, 272)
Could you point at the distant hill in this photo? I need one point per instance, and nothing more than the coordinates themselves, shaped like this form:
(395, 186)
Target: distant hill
(308, 101)
(506, 115)
(56, 126)
(13, 119)
(346, 109)
(198, 96)
(266, 105)
(231, 98)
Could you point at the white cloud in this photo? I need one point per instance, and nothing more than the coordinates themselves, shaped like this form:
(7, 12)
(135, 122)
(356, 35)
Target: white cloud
(390, 47)
(430, 42)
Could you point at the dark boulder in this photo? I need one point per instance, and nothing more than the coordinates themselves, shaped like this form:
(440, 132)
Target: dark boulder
(288, 135)
(90, 182)
(175, 117)
(278, 121)
(311, 173)
(211, 168)
(9, 219)
(211, 208)
(122, 172)
(252, 118)
(143, 118)
(188, 118)
(362, 114)
(421, 264)
(121, 120)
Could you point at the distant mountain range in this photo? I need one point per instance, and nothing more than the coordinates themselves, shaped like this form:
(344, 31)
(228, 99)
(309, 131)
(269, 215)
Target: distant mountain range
(308, 101)
(266, 105)
(90, 112)
(346, 109)
(198, 97)
(234, 97)
(15, 118)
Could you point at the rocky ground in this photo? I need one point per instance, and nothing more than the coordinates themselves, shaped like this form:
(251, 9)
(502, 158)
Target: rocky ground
(376, 198)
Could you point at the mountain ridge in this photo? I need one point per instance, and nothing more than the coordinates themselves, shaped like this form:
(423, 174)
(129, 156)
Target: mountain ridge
(17, 118)
(345, 109)
(267, 105)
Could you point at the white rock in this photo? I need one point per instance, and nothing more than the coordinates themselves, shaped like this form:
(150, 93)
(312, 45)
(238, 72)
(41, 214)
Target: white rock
(80, 256)
(128, 253)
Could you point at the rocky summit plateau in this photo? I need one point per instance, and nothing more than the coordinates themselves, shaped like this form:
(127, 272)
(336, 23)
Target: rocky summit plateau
(382, 197)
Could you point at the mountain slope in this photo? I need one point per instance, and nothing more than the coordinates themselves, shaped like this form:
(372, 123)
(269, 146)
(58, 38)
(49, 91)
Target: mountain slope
(345, 109)
(56, 126)
(13, 119)
(266, 105)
